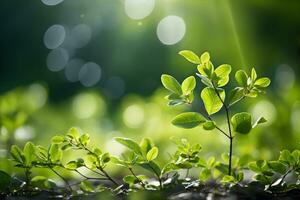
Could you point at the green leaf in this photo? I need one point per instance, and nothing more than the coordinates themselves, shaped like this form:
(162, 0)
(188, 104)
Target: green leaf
(169, 167)
(105, 158)
(72, 165)
(84, 139)
(188, 85)
(262, 82)
(5, 180)
(253, 75)
(146, 144)
(204, 174)
(235, 95)
(205, 80)
(205, 57)
(228, 179)
(55, 153)
(188, 120)
(176, 102)
(73, 133)
(151, 167)
(241, 77)
(252, 166)
(130, 144)
(40, 182)
(277, 166)
(170, 83)
(130, 180)
(222, 73)
(209, 125)
(190, 56)
(17, 154)
(242, 122)
(260, 120)
(57, 139)
(211, 100)
(97, 151)
(86, 186)
(152, 154)
(29, 153)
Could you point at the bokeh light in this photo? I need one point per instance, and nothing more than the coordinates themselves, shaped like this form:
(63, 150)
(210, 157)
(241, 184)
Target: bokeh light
(54, 36)
(72, 69)
(285, 77)
(80, 36)
(90, 74)
(139, 9)
(266, 109)
(57, 59)
(170, 30)
(86, 105)
(133, 116)
(51, 2)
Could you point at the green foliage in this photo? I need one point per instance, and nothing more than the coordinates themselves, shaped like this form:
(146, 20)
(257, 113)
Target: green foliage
(213, 98)
(188, 120)
(242, 122)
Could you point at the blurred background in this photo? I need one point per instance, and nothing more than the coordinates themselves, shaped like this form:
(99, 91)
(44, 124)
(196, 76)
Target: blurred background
(96, 65)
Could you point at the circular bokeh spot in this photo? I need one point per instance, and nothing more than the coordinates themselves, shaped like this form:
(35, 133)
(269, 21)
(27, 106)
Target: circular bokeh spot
(57, 59)
(54, 36)
(170, 30)
(90, 74)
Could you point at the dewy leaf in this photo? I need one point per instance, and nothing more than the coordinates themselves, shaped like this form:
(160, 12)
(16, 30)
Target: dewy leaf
(17, 154)
(170, 83)
(222, 73)
(211, 100)
(152, 154)
(209, 125)
(188, 85)
(29, 153)
(259, 121)
(188, 120)
(241, 77)
(262, 82)
(190, 56)
(242, 122)
(130, 144)
(205, 57)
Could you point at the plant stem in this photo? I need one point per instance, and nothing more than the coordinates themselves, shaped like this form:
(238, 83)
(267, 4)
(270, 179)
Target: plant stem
(158, 177)
(60, 176)
(140, 181)
(99, 167)
(229, 129)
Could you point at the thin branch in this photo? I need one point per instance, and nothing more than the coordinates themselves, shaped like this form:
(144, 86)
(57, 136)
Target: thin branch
(140, 181)
(60, 176)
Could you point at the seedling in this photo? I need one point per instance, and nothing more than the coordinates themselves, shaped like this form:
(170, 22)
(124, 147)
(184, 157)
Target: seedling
(213, 97)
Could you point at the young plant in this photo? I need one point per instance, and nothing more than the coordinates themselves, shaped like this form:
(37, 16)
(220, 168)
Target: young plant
(143, 155)
(25, 159)
(213, 97)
